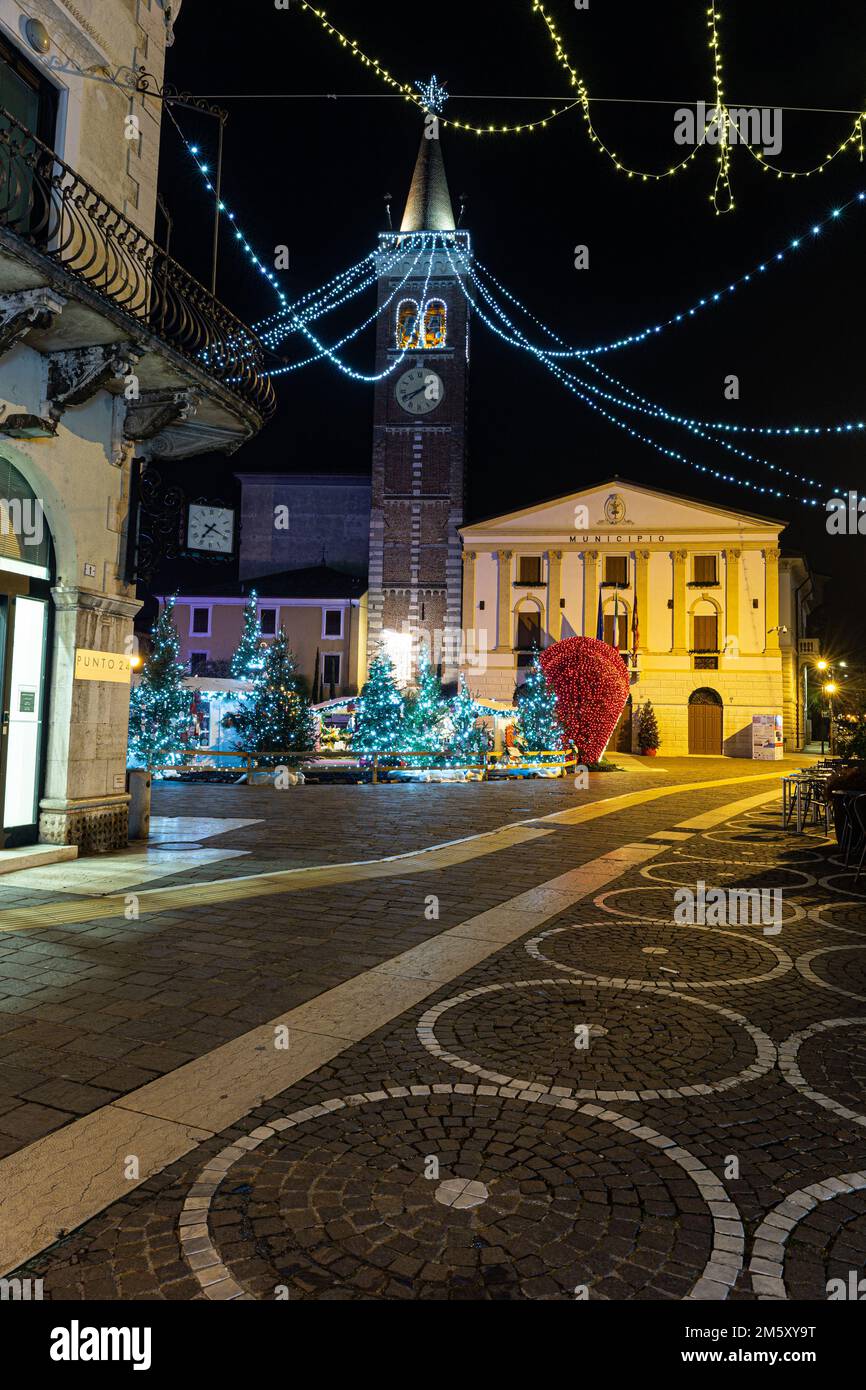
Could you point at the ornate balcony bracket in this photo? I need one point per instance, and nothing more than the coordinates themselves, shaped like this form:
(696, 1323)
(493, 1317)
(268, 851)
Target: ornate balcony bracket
(27, 309)
(185, 440)
(155, 411)
(76, 375)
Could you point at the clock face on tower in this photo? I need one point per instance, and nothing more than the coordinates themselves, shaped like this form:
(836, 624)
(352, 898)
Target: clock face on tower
(419, 391)
(210, 528)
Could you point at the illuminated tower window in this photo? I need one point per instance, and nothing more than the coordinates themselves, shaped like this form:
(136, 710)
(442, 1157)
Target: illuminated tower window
(434, 324)
(408, 314)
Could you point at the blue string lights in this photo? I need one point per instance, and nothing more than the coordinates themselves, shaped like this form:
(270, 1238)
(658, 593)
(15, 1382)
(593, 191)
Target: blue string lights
(707, 302)
(296, 317)
(635, 401)
(584, 394)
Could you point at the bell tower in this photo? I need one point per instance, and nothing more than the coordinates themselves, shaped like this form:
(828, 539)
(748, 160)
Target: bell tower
(419, 425)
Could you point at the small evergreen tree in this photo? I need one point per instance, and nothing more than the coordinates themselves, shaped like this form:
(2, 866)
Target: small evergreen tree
(159, 706)
(379, 710)
(247, 655)
(425, 709)
(275, 716)
(538, 723)
(467, 739)
(648, 728)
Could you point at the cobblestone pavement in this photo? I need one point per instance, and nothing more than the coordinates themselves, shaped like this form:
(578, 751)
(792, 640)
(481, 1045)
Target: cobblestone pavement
(612, 1104)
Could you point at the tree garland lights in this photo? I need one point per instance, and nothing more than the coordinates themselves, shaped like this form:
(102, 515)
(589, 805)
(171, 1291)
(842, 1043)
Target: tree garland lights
(159, 713)
(539, 723)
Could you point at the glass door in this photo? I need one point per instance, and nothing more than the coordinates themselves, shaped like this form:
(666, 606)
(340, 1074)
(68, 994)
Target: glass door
(23, 706)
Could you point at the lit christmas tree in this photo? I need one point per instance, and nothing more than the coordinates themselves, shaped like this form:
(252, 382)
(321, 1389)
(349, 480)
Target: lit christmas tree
(648, 738)
(247, 657)
(540, 729)
(159, 706)
(275, 716)
(425, 709)
(379, 711)
(467, 739)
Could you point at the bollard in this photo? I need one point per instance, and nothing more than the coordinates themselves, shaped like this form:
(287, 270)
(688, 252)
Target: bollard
(138, 781)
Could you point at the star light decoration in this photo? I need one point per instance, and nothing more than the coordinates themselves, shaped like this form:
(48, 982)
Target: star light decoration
(433, 95)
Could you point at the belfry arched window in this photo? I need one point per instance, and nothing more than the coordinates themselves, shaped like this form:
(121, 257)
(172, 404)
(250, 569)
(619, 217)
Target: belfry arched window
(435, 323)
(408, 314)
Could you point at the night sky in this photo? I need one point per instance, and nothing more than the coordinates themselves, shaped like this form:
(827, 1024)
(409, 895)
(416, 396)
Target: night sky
(311, 174)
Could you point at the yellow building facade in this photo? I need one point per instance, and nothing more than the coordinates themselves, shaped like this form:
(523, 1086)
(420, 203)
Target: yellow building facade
(697, 597)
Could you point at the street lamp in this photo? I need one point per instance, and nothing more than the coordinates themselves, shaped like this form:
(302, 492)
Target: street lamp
(830, 689)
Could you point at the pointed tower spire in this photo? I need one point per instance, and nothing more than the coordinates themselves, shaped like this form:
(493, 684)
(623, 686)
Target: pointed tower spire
(428, 207)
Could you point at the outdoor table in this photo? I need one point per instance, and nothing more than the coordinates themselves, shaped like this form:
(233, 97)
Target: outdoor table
(792, 797)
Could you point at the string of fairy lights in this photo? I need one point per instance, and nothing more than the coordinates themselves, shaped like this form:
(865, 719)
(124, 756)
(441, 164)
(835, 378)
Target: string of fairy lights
(585, 394)
(635, 401)
(296, 317)
(708, 301)
(720, 129)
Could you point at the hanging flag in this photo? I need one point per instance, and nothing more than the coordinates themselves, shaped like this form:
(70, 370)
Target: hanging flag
(599, 626)
(616, 621)
(635, 629)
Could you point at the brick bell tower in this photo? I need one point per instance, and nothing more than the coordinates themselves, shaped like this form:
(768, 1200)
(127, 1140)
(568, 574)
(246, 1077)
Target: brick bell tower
(419, 425)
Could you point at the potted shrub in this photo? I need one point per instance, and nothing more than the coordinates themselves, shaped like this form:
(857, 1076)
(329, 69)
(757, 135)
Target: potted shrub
(648, 731)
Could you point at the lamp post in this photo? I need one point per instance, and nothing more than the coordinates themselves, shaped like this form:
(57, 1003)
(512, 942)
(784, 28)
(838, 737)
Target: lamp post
(830, 689)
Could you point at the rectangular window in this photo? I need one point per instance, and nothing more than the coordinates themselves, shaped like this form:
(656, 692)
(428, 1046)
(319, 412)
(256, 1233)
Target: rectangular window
(199, 623)
(616, 569)
(333, 623)
(528, 630)
(198, 663)
(706, 569)
(706, 633)
(529, 569)
(622, 633)
(330, 671)
(268, 621)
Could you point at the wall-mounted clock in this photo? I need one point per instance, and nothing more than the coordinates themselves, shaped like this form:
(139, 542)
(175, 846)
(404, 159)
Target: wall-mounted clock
(210, 528)
(419, 390)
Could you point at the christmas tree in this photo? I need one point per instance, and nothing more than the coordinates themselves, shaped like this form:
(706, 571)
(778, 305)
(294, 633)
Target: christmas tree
(159, 707)
(539, 725)
(379, 712)
(425, 710)
(247, 657)
(648, 729)
(275, 716)
(467, 740)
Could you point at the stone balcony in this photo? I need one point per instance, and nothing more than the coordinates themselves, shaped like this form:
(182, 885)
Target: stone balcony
(84, 286)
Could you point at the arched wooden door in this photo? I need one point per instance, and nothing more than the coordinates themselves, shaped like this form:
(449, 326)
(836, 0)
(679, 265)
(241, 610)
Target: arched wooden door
(705, 722)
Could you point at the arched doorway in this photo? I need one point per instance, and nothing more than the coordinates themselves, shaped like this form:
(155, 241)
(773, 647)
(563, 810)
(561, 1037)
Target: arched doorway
(705, 721)
(26, 572)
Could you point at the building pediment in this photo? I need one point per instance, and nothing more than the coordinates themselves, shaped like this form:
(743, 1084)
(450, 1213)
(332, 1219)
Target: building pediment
(622, 513)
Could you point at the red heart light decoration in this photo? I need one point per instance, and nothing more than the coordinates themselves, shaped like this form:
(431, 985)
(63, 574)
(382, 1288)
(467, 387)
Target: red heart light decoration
(590, 682)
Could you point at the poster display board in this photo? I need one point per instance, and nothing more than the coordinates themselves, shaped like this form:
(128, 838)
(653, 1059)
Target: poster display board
(767, 738)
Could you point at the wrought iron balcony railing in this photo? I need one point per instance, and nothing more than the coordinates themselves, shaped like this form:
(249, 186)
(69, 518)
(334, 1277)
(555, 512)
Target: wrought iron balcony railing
(56, 211)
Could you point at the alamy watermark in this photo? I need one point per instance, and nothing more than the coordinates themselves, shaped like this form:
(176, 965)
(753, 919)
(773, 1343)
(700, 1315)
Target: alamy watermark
(22, 517)
(718, 907)
(846, 516)
(731, 125)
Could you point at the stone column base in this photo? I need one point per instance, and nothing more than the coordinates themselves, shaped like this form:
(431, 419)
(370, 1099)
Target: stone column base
(94, 824)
